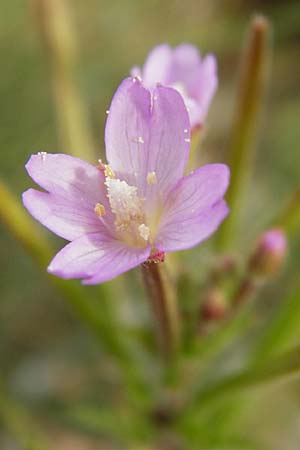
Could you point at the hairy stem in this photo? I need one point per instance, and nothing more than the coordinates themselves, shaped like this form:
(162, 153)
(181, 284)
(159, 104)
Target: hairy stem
(163, 300)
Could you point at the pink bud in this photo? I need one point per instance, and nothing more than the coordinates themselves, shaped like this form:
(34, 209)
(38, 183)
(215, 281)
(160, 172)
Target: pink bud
(214, 306)
(269, 253)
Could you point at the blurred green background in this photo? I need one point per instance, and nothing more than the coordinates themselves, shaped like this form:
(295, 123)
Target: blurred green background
(45, 354)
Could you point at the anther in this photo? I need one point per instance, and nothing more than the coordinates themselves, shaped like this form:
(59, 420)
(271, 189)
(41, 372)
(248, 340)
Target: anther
(108, 172)
(99, 210)
(151, 178)
(106, 169)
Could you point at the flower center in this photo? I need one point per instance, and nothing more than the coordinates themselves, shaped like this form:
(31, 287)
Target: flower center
(128, 208)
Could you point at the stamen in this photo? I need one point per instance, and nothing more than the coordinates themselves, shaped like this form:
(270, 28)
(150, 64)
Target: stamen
(108, 172)
(99, 210)
(106, 169)
(151, 178)
(101, 166)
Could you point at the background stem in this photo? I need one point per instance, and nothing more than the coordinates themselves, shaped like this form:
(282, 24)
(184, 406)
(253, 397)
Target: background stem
(252, 86)
(58, 37)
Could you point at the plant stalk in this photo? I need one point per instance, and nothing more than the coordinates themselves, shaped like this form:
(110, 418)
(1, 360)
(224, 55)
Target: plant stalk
(251, 93)
(59, 39)
(163, 301)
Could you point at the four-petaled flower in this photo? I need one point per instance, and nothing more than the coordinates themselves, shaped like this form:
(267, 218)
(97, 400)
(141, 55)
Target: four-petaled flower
(138, 206)
(183, 69)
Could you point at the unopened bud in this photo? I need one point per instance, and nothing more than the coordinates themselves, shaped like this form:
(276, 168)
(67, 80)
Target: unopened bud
(269, 253)
(214, 306)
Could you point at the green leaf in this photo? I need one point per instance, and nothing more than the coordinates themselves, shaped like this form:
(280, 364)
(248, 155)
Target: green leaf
(277, 369)
(281, 331)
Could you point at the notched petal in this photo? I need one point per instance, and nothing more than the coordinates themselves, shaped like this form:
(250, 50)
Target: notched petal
(96, 259)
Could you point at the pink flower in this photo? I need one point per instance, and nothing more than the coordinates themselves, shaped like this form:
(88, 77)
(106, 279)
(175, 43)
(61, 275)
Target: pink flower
(183, 69)
(118, 215)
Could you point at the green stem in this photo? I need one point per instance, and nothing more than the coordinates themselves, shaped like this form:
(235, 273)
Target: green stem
(281, 331)
(277, 369)
(246, 290)
(23, 228)
(163, 300)
(289, 217)
(213, 344)
(252, 86)
(53, 20)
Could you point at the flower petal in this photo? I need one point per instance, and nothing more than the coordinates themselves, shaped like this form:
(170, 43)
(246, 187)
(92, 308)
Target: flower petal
(205, 84)
(189, 232)
(63, 218)
(127, 131)
(198, 77)
(75, 187)
(194, 208)
(96, 259)
(183, 68)
(157, 66)
(170, 138)
(186, 61)
(147, 134)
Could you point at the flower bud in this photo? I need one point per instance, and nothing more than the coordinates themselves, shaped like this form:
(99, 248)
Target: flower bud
(269, 253)
(214, 306)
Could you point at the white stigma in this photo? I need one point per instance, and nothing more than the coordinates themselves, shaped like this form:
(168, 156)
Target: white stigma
(128, 209)
(124, 201)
